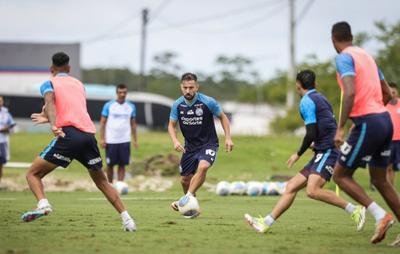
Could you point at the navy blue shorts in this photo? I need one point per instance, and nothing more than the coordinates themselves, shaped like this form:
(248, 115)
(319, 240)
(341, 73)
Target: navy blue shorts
(368, 143)
(190, 159)
(77, 145)
(3, 152)
(322, 163)
(395, 154)
(118, 154)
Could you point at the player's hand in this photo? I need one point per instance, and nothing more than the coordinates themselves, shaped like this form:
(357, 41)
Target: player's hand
(135, 144)
(228, 145)
(178, 147)
(39, 118)
(58, 132)
(339, 137)
(103, 143)
(292, 160)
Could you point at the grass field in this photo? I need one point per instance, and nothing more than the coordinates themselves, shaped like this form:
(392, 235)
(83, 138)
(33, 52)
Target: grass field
(83, 222)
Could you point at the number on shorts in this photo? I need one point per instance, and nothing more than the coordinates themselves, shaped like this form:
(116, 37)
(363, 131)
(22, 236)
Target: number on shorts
(210, 152)
(345, 148)
(318, 157)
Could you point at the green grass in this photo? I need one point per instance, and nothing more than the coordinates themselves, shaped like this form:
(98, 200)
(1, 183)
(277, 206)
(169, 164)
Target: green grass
(83, 222)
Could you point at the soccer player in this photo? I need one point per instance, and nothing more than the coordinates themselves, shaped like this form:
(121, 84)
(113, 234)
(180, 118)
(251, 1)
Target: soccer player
(195, 113)
(364, 93)
(320, 128)
(65, 110)
(117, 124)
(6, 124)
(394, 110)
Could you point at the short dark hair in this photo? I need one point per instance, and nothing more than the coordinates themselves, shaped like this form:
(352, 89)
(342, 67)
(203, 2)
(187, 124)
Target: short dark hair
(60, 59)
(306, 79)
(188, 76)
(121, 86)
(341, 31)
(392, 84)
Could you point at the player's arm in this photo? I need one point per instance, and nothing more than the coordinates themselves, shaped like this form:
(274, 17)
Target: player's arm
(50, 112)
(40, 118)
(309, 138)
(386, 92)
(134, 132)
(103, 121)
(172, 133)
(227, 130)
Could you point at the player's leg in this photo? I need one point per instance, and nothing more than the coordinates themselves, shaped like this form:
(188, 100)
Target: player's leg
(36, 172)
(206, 158)
(390, 174)
(3, 158)
(386, 189)
(262, 225)
(199, 178)
(124, 151)
(110, 173)
(185, 182)
(89, 156)
(1, 171)
(111, 160)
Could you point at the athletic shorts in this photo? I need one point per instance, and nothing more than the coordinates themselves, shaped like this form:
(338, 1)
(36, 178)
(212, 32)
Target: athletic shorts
(190, 159)
(118, 154)
(322, 163)
(77, 145)
(3, 152)
(368, 143)
(395, 154)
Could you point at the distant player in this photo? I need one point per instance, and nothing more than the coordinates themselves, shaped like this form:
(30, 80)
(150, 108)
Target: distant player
(65, 110)
(320, 128)
(394, 110)
(364, 93)
(6, 125)
(195, 114)
(117, 125)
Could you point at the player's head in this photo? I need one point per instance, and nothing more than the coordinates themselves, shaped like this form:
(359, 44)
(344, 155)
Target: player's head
(60, 63)
(341, 35)
(305, 80)
(122, 91)
(189, 85)
(393, 89)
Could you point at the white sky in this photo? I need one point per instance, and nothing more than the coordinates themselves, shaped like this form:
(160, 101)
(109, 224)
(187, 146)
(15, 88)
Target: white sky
(257, 29)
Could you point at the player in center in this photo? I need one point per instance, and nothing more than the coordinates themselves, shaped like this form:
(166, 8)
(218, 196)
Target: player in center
(195, 113)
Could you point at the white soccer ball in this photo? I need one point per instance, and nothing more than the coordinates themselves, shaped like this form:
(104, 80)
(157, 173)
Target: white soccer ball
(273, 189)
(254, 188)
(223, 188)
(282, 187)
(265, 188)
(238, 188)
(188, 206)
(121, 187)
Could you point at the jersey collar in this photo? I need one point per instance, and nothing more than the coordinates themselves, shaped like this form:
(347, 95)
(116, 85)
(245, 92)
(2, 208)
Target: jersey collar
(310, 91)
(62, 74)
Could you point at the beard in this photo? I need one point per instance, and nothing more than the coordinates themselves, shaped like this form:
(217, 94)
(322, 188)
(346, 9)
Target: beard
(189, 97)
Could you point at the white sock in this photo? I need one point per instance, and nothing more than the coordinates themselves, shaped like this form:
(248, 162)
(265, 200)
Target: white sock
(269, 220)
(376, 211)
(125, 216)
(189, 193)
(350, 208)
(43, 203)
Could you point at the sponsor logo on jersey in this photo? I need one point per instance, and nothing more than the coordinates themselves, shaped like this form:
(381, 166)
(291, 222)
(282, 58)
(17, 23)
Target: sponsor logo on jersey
(61, 157)
(182, 112)
(192, 120)
(199, 112)
(190, 112)
(385, 153)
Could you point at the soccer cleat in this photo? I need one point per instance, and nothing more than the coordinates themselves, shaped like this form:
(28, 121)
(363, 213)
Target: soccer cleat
(382, 227)
(174, 206)
(257, 223)
(129, 225)
(396, 242)
(36, 214)
(358, 217)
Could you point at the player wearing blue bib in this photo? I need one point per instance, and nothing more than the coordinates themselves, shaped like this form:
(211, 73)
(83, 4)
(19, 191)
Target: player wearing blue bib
(320, 130)
(195, 114)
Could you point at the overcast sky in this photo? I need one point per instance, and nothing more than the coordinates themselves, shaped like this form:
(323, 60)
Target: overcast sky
(198, 31)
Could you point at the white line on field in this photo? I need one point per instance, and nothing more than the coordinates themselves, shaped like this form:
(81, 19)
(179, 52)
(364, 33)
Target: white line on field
(166, 198)
(6, 199)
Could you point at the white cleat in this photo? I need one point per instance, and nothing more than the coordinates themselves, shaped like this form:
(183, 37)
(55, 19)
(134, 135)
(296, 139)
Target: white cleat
(36, 214)
(129, 225)
(257, 224)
